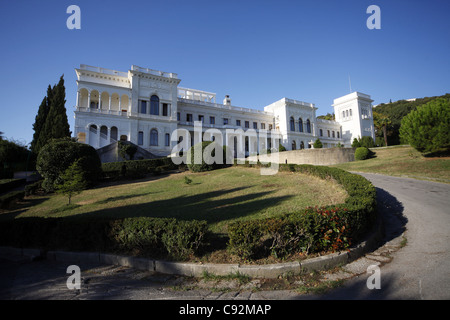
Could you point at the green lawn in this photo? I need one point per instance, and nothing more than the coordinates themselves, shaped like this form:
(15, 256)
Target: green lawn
(403, 161)
(218, 197)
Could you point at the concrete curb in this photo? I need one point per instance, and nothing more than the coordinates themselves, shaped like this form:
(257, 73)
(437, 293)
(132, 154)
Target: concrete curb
(269, 271)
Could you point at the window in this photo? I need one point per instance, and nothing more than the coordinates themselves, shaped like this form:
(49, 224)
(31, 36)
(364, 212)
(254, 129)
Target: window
(337, 134)
(178, 116)
(255, 125)
(140, 138)
(225, 121)
(247, 124)
(308, 126)
(321, 132)
(294, 145)
(302, 145)
(153, 137)
(300, 125)
(270, 127)
(333, 134)
(189, 117)
(328, 132)
(263, 126)
(346, 113)
(343, 113)
(154, 105)
(165, 109)
(238, 122)
(201, 118)
(167, 139)
(212, 120)
(143, 106)
(292, 122)
(350, 112)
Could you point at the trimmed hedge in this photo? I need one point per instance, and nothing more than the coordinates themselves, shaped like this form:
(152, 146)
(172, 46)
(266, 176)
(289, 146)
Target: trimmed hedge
(9, 185)
(11, 197)
(328, 228)
(361, 153)
(134, 169)
(155, 237)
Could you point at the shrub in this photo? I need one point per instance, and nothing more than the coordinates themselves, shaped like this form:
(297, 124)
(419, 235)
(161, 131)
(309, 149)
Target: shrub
(9, 198)
(318, 144)
(356, 143)
(209, 159)
(57, 155)
(156, 237)
(361, 153)
(367, 142)
(312, 229)
(427, 129)
(133, 169)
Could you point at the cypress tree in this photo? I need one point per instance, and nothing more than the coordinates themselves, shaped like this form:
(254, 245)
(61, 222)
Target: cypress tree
(39, 124)
(56, 124)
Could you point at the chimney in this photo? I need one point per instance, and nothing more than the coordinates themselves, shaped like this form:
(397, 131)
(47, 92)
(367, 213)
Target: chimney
(227, 100)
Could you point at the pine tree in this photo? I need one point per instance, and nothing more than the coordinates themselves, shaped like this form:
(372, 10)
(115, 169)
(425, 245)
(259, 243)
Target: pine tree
(73, 181)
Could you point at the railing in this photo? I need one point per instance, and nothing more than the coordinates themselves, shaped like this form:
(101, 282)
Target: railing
(224, 107)
(154, 72)
(103, 70)
(103, 111)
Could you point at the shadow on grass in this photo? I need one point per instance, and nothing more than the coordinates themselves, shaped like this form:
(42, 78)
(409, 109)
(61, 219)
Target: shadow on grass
(20, 207)
(124, 197)
(202, 206)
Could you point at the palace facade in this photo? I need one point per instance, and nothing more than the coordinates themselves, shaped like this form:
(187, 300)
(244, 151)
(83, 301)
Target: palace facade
(146, 106)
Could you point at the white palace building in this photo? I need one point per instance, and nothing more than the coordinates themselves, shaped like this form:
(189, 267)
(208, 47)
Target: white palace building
(146, 106)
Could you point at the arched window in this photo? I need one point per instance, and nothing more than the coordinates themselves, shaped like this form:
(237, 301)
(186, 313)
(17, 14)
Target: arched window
(292, 124)
(300, 124)
(302, 145)
(154, 105)
(154, 137)
(308, 126)
(294, 145)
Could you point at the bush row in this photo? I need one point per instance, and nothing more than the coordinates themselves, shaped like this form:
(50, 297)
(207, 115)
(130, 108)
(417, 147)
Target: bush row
(137, 168)
(155, 237)
(313, 229)
(9, 198)
(9, 185)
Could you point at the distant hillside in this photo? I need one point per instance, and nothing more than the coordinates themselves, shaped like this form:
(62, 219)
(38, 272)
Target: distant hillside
(397, 110)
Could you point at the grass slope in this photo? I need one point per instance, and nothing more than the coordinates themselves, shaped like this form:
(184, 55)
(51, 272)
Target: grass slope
(219, 197)
(403, 161)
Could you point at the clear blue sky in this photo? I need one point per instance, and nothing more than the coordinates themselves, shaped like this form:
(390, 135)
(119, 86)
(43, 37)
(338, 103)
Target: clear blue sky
(255, 51)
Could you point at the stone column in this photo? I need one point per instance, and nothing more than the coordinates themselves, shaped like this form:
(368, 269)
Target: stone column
(89, 100)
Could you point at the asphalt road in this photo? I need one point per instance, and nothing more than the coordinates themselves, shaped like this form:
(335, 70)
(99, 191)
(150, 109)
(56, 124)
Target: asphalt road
(421, 269)
(417, 210)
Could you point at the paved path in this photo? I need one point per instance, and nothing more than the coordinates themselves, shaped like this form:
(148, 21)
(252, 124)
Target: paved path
(417, 210)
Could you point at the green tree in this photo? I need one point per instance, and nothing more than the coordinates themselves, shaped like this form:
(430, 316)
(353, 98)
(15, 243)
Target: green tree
(72, 181)
(39, 124)
(127, 149)
(356, 143)
(382, 122)
(56, 124)
(427, 128)
(57, 155)
(318, 144)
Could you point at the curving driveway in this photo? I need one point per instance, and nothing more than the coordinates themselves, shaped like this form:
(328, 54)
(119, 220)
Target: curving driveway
(417, 210)
(421, 269)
